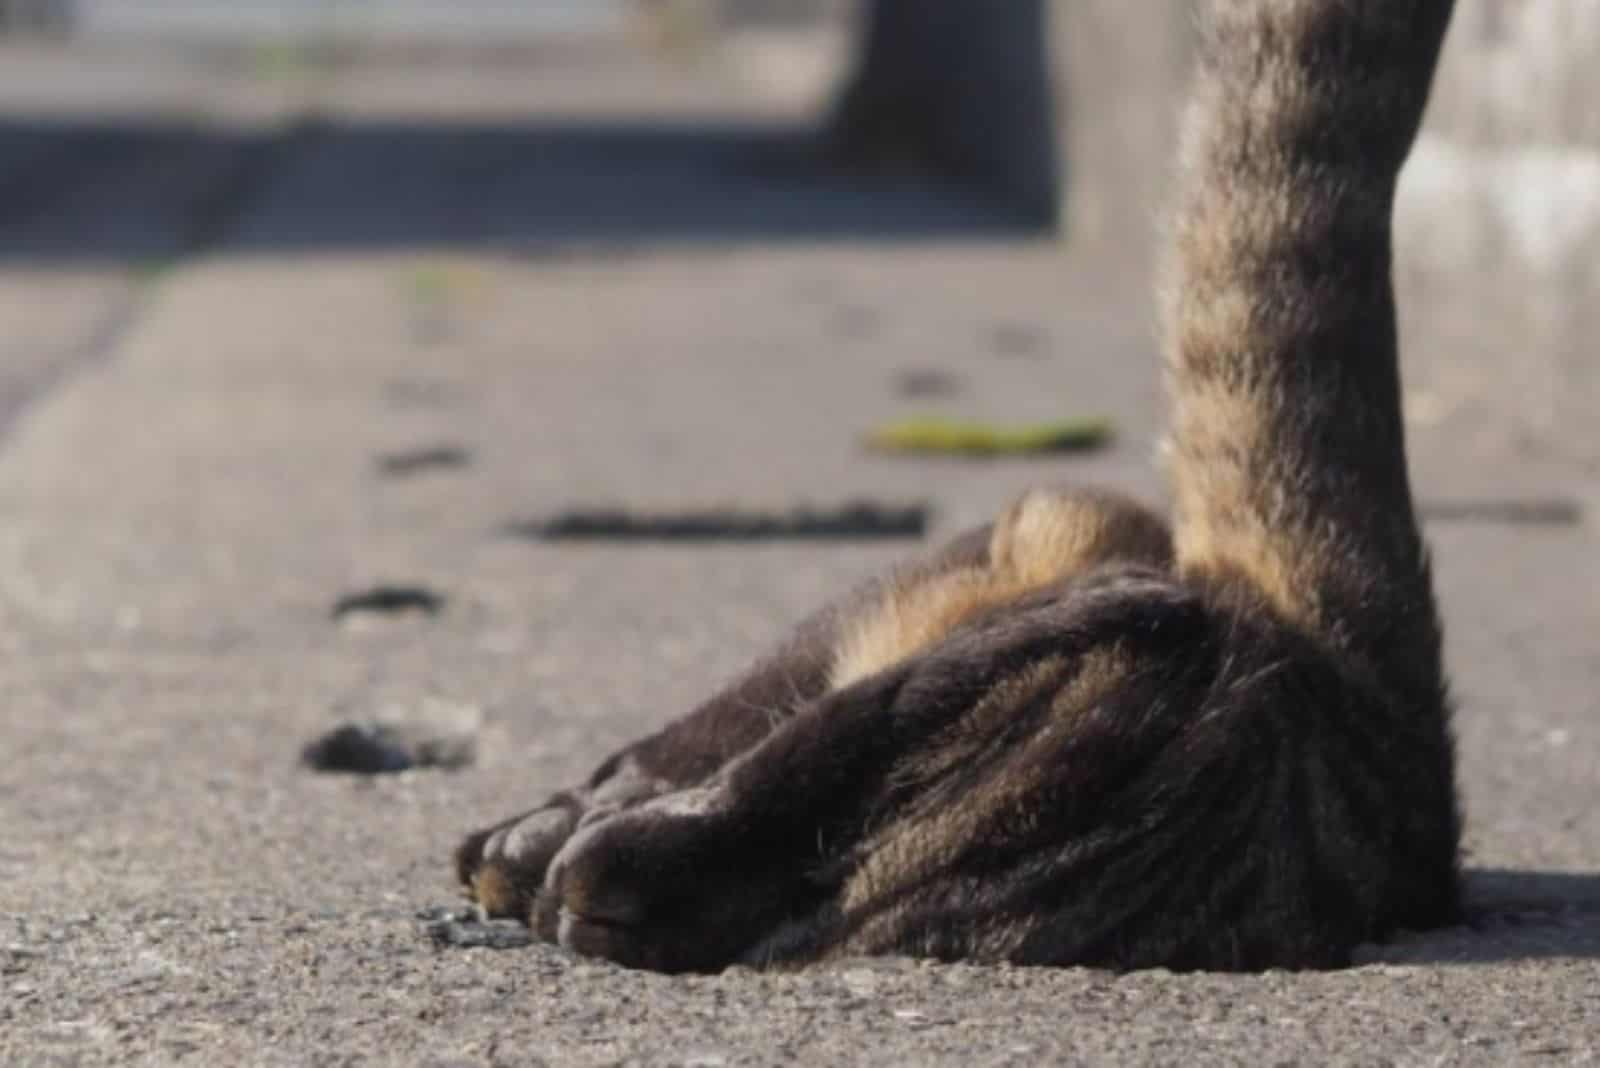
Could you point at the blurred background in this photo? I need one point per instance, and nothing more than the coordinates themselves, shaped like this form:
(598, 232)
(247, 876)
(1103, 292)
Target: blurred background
(135, 133)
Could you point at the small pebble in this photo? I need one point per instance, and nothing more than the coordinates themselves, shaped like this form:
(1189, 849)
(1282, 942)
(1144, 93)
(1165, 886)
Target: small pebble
(462, 929)
(436, 734)
(705, 1060)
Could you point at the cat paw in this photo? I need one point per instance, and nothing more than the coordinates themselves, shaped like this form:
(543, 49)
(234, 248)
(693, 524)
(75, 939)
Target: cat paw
(668, 886)
(502, 867)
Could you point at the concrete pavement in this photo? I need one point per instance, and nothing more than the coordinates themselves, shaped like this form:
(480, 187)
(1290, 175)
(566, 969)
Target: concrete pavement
(600, 281)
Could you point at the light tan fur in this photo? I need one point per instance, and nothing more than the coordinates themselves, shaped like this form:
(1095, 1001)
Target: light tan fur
(912, 616)
(1045, 536)
(494, 891)
(1216, 418)
(1287, 451)
(1048, 534)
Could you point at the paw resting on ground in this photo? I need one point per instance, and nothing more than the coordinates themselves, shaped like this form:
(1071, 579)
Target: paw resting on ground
(671, 885)
(503, 866)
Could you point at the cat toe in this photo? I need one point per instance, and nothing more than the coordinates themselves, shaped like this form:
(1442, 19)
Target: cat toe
(502, 867)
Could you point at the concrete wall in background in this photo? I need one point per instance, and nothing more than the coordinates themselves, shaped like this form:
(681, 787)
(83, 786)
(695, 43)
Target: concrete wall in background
(1063, 107)
(1499, 219)
(1499, 222)
(1120, 71)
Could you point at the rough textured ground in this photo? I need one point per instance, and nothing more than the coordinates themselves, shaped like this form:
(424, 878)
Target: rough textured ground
(591, 282)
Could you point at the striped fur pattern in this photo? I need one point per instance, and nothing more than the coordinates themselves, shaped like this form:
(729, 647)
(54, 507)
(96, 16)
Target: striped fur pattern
(1075, 737)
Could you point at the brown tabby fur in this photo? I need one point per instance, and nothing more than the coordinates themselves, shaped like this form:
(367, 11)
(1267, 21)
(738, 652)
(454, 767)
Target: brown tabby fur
(1072, 737)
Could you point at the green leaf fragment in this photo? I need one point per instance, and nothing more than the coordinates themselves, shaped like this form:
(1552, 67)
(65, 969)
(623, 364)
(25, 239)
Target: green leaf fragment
(950, 437)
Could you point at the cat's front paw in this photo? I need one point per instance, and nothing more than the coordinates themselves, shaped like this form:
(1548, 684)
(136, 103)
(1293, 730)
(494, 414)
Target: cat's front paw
(502, 867)
(675, 885)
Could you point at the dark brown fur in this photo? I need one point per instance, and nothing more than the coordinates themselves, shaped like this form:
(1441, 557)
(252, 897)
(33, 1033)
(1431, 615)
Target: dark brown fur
(1072, 738)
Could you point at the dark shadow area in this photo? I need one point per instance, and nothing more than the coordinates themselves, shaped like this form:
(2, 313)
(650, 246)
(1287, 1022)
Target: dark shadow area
(1511, 915)
(135, 191)
(1504, 890)
(856, 521)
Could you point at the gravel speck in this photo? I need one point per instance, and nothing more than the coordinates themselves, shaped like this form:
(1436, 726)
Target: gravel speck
(464, 930)
(434, 734)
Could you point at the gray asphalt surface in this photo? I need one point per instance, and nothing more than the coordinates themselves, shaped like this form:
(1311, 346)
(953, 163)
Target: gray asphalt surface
(603, 282)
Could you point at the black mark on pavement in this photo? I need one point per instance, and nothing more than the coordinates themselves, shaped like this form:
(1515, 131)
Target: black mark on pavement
(389, 601)
(860, 520)
(407, 462)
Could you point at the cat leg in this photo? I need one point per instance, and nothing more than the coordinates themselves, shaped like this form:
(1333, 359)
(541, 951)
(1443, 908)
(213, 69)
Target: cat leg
(502, 866)
(1044, 536)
